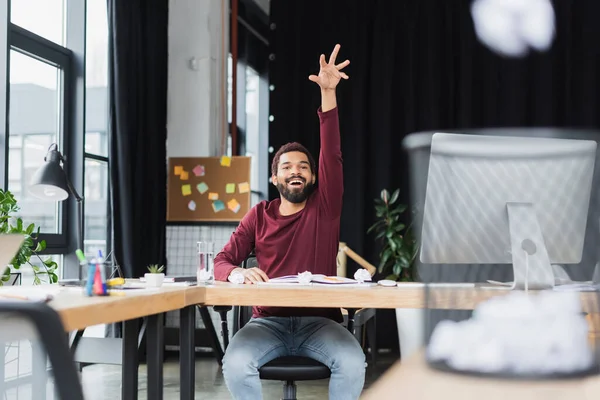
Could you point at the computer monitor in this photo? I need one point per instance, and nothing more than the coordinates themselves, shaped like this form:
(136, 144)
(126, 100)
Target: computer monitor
(502, 200)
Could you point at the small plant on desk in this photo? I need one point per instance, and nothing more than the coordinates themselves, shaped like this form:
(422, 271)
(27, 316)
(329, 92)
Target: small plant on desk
(155, 275)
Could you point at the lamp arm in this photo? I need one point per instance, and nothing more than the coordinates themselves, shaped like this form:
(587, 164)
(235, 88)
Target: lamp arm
(80, 223)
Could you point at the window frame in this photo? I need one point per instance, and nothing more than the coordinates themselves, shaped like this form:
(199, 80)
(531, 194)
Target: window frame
(70, 58)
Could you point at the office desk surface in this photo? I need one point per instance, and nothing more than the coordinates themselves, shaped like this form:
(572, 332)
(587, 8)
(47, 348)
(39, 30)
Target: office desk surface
(78, 311)
(413, 379)
(405, 296)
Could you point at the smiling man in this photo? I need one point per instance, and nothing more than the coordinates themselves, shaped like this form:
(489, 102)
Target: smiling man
(296, 233)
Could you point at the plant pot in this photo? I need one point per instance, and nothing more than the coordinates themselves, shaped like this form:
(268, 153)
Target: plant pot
(411, 324)
(154, 280)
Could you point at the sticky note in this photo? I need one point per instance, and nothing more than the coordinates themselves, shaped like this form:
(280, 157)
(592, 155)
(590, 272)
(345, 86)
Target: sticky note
(230, 188)
(186, 190)
(218, 205)
(213, 196)
(225, 161)
(233, 205)
(184, 175)
(202, 187)
(192, 205)
(244, 187)
(178, 169)
(198, 170)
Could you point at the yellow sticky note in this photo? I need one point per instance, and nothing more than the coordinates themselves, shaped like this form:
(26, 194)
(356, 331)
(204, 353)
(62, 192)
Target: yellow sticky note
(225, 161)
(213, 196)
(233, 205)
(244, 187)
(186, 190)
(178, 169)
(230, 188)
(184, 175)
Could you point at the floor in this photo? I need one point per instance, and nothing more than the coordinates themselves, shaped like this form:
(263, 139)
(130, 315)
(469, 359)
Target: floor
(103, 382)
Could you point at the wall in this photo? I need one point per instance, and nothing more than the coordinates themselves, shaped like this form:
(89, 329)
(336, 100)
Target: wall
(194, 114)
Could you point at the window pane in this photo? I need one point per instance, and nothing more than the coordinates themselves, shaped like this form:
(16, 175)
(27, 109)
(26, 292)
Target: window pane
(35, 108)
(96, 78)
(27, 275)
(45, 18)
(96, 203)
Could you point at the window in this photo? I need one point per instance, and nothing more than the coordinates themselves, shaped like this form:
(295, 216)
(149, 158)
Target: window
(96, 180)
(44, 105)
(45, 18)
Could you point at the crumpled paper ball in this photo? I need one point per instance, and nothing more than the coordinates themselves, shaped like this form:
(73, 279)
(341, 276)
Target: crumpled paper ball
(305, 277)
(362, 275)
(513, 27)
(518, 333)
(236, 277)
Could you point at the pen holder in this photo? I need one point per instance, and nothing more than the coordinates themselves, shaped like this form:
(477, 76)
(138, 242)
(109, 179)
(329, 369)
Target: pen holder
(96, 279)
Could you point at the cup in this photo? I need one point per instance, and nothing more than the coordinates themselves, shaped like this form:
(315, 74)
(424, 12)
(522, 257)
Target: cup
(206, 266)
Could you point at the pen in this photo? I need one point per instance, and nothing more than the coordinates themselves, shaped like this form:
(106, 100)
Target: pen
(102, 271)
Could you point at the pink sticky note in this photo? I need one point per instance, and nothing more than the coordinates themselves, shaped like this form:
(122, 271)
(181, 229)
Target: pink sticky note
(198, 170)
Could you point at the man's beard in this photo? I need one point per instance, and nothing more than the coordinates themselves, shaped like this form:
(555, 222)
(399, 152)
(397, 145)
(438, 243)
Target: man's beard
(295, 196)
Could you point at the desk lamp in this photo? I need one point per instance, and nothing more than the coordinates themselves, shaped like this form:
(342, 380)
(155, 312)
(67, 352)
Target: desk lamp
(50, 182)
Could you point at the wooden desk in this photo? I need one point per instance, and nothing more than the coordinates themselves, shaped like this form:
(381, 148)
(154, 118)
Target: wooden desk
(413, 379)
(78, 311)
(406, 296)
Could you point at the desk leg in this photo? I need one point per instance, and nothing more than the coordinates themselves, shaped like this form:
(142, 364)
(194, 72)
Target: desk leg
(187, 362)
(155, 345)
(129, 374)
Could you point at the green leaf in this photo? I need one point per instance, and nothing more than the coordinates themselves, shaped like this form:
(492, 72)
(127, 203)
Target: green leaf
(30, 229)
(394, 196)
(385, 196)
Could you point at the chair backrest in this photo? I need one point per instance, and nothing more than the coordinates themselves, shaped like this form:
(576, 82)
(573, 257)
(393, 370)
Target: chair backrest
(33, 332)
(242, 314)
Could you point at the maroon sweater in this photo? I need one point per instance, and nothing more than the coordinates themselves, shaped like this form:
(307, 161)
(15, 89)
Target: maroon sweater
(305, 241)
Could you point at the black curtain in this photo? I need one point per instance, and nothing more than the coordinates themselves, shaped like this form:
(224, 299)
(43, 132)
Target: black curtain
(138, 118)
(417, 65)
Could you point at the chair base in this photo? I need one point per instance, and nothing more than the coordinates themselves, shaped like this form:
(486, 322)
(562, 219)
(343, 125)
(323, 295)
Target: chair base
(289, 390)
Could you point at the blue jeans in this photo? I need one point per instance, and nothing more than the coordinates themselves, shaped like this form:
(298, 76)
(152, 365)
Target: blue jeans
(264, 339)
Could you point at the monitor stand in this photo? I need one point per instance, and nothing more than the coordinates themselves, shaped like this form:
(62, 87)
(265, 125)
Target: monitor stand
(531, 264)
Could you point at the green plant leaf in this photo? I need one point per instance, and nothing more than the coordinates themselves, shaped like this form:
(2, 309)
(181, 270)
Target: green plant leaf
(30, 229)
(385, 196)
(394, 196)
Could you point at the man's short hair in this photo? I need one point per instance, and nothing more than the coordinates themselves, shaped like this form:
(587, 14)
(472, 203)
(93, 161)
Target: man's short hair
(286, 148)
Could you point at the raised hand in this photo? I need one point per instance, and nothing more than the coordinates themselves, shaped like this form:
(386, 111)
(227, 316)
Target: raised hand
(329, 73)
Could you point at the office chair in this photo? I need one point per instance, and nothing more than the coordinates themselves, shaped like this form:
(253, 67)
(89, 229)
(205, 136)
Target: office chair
(288, 369)
(24, 317)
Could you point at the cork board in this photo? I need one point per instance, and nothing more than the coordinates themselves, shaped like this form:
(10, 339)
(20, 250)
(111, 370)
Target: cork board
(208, 189)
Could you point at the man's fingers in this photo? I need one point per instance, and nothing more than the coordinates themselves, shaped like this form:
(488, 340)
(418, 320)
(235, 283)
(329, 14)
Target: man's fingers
(343, 75)
(313, 78)
(334, 54)
(262, 274)
(322, 62)
(342, 65)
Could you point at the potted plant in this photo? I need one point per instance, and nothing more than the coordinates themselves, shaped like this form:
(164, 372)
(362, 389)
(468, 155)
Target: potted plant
(397, 261)
(45, 270)
(155, 276)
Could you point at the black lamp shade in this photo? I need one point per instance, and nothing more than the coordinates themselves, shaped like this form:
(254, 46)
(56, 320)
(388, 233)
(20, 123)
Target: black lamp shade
(50, 182)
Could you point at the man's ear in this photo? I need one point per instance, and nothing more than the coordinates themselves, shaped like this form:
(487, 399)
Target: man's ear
(314, 178)
(274, 179)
